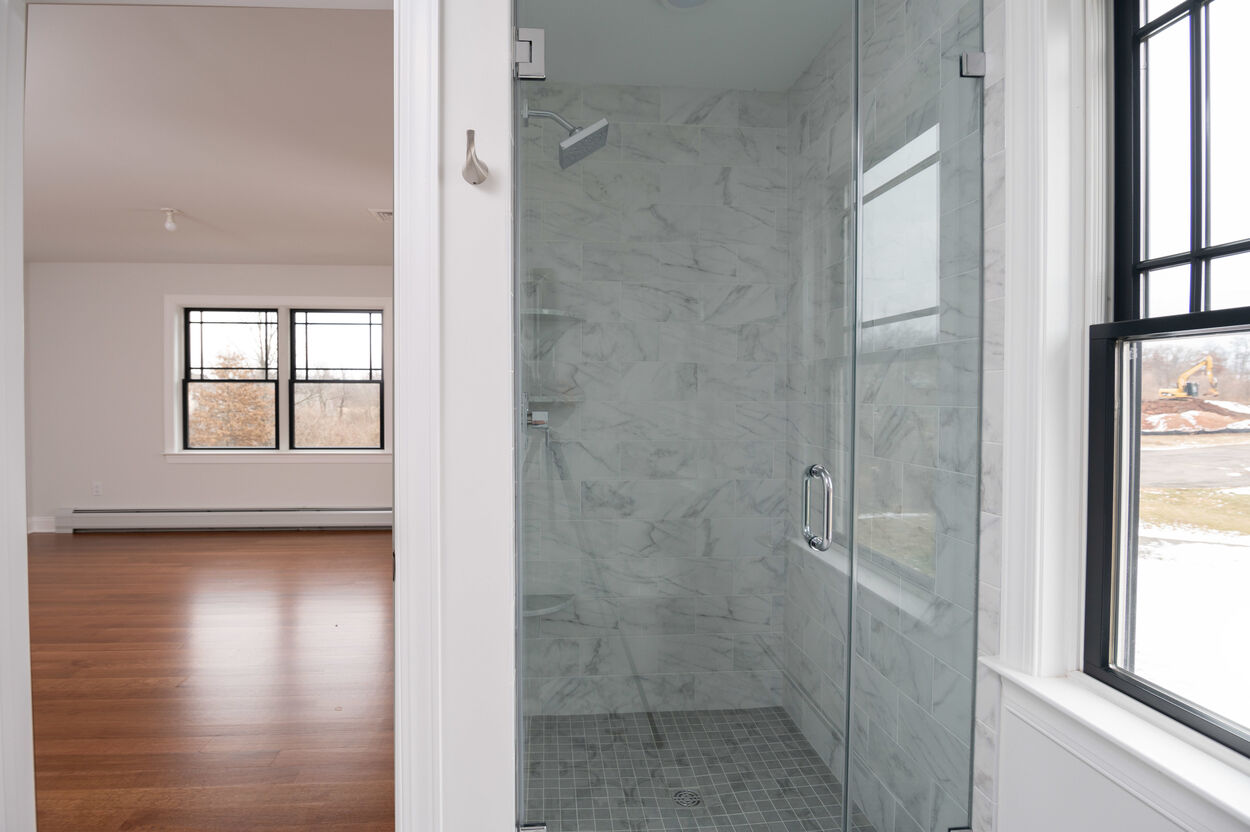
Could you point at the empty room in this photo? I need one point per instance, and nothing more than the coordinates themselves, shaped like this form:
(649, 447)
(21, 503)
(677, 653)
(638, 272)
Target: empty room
(208, 311)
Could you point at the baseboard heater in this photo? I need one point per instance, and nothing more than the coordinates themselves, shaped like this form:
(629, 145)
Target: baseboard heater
(175, 519)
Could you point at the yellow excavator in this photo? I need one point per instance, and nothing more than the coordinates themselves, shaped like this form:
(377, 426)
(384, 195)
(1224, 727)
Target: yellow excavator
(1186, 389)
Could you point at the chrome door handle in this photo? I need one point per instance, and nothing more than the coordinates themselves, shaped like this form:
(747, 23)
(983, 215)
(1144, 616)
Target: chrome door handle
(820, 543)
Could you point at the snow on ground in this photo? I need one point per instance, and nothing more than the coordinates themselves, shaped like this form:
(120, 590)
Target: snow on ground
(1192, 616)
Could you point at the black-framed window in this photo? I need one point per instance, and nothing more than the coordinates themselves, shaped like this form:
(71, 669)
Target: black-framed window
(1168, 550)
(1182, 173)
(230, 379)
(336, 385)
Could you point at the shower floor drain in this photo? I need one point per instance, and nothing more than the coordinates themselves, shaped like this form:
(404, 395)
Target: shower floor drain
(686, 797)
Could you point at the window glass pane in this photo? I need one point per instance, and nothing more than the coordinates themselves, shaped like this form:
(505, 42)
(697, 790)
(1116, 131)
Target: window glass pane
(1153, 8)
(1230, 281)
(1166, 291)
(332, 415)
(1185, 540)
(231, 414)
(1229, 168)
(232, 344)
(337, 345)
(1165, 141)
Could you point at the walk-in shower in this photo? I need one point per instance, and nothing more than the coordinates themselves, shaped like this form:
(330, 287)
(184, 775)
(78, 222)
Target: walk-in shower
(748, 363)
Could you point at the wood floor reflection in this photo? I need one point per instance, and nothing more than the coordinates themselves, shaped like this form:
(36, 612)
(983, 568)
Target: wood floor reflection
(213, 681)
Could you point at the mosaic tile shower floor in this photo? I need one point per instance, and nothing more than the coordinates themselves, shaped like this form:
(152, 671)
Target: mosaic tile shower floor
(752, 769)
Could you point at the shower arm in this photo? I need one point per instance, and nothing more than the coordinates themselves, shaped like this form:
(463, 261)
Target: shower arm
(556, 117)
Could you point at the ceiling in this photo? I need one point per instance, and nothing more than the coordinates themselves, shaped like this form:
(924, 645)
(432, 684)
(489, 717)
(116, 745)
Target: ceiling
(270, 129)
(734, 44)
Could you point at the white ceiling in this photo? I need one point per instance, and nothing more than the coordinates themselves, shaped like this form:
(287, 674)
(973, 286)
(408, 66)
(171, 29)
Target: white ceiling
(734, 44)
(269, 128)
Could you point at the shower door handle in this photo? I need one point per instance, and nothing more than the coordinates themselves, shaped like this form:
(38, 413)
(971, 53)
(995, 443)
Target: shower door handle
(820, 543)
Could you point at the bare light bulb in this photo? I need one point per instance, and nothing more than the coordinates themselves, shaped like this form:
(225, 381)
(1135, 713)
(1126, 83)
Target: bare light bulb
(170, 225)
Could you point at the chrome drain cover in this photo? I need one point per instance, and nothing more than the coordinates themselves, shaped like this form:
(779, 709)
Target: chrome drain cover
(686, 797)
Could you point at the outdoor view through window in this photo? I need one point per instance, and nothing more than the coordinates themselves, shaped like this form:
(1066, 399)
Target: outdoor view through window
(233, 373)
(1182, 607)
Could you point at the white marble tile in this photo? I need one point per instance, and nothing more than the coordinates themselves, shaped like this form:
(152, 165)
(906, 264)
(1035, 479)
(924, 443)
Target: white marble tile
(654, 460)
(906, 434)
(658, 499)
(992, 478)
(754, 224)
(958, 441)
(620, 261)
(619, 103)
(658, 302)
(952, 700)
(757, 146)
(681, 341)
(698, 261)
(661, 223)
(660, 143)
(762, 109)
(619, 342)
(696, 106)
(572, 460)
(733, 382)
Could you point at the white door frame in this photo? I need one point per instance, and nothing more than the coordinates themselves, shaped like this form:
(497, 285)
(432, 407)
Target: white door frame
(455, 582)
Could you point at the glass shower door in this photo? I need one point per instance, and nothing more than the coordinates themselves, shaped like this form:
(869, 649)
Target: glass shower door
(708, 362)
(918, 375)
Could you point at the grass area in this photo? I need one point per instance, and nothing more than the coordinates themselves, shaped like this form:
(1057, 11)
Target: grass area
(1202, 508)
(1193, 440)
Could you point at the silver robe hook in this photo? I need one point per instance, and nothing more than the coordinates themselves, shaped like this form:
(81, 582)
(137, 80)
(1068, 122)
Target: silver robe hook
(475, 170)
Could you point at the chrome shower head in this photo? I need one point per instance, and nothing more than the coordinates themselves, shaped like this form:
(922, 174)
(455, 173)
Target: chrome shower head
(583, 142)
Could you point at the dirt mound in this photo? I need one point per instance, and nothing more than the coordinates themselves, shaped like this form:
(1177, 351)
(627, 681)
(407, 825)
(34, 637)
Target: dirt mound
(1193, 416)
(1154, 406)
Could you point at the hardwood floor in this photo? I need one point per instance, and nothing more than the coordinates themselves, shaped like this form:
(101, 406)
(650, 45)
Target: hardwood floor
(213, 681)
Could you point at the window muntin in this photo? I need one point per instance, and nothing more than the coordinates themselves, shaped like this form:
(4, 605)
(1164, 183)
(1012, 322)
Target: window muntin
(336, 378)
(230, 379)
(1182, 172)
(1165, 545)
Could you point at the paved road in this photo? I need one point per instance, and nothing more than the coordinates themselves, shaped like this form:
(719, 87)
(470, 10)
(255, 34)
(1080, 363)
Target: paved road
(1218, 466)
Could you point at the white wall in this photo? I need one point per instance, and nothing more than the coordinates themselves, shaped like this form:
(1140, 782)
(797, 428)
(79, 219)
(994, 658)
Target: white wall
(1042, 787)
(96, 388)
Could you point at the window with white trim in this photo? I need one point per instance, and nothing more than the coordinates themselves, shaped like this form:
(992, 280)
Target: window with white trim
(238, 387)
(1168, 555)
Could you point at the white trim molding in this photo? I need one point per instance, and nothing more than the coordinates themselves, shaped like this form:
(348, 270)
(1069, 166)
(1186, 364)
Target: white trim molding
(1174, 776)
(417, 395)
(1056, 194)
(17, 767)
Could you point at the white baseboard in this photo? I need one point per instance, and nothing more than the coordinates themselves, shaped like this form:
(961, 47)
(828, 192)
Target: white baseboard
(40, 525)
(70, 520)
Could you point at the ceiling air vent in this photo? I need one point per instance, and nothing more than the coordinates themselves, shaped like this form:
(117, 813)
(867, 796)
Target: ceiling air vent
(384, 215)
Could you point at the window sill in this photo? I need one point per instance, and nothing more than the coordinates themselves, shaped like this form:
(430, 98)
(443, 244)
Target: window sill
(281, 457)
(1185, 776)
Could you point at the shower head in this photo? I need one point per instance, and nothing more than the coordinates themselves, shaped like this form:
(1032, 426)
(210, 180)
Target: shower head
(583, 142)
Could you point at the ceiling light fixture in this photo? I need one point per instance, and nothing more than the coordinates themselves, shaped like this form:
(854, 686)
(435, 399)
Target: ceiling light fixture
(170, 225)
(683, 5)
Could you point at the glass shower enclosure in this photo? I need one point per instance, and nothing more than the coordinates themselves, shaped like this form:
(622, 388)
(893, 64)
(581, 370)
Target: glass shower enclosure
(748, 300)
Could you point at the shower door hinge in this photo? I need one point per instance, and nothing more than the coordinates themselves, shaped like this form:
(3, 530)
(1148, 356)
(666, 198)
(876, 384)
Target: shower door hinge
(972, 65)
(529, 54)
